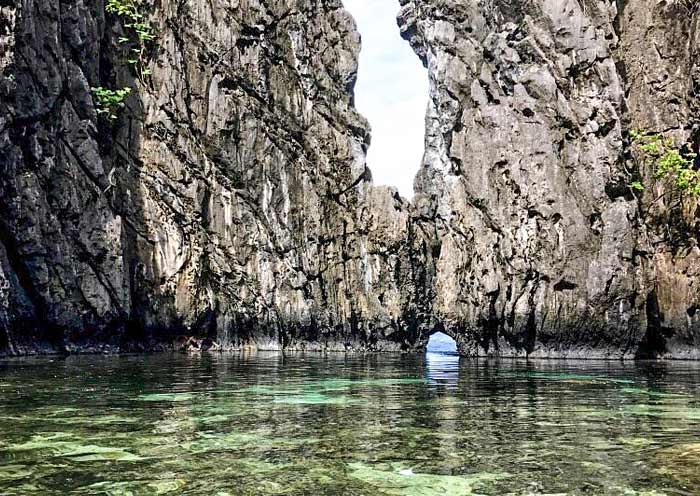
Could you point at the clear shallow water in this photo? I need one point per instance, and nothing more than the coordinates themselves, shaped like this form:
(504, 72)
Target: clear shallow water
(347, 425)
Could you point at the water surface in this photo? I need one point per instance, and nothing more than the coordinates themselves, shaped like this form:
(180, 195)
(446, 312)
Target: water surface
(268, 424)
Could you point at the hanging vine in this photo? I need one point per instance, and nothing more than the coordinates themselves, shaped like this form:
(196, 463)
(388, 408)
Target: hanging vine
(138, 30)
(138, 33)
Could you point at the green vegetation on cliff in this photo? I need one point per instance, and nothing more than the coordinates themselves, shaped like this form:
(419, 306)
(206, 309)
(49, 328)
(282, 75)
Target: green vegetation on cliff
(669, 163)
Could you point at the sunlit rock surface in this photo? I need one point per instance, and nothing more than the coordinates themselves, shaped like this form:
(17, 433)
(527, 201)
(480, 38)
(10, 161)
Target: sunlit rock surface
(230, 201)
(543, 249)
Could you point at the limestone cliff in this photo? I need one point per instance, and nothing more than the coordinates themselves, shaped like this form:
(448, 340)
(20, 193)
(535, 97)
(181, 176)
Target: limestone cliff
(229, 199)
(544, 249)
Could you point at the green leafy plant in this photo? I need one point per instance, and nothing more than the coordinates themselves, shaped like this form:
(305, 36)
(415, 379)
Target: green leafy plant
(636, 185)
(138, 28)
(108, 102)
(668, 162)
(139, 33)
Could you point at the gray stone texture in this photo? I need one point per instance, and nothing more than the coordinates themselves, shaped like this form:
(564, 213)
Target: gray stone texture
(230, 201)
(544, 250)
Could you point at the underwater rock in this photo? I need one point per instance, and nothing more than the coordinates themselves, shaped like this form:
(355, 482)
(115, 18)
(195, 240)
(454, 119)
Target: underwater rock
(680, 462)
(394, 481)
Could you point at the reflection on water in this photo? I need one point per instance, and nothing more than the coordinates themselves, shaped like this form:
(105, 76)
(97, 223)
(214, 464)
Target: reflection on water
(347, 425)
(442, 368)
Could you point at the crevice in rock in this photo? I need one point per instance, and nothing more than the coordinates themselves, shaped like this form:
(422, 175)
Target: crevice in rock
(391, 92)
(4, 340)
(564, 285)
(42, 327)
(653, 343)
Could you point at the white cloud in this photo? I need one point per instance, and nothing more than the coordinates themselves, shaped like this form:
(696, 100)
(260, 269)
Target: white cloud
(391, 92)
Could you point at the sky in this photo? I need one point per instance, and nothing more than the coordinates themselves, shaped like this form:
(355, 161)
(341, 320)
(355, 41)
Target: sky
(440, 342)
(391, 92)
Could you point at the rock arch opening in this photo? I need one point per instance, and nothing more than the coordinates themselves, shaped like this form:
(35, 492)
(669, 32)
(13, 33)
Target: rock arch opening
(442, 360)
(391, 92)
(441, 343)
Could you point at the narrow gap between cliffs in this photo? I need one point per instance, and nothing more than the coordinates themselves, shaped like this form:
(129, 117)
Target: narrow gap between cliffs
(392, 93)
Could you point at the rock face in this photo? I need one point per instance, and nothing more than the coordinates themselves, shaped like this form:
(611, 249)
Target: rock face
(659, 54)
(229, 199)
(544, 249)
(228, 204)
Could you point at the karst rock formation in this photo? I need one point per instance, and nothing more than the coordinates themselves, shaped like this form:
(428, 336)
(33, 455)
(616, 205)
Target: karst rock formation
(228, 200)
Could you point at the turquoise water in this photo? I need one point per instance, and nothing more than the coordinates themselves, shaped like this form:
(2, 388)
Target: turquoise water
(268, 424)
